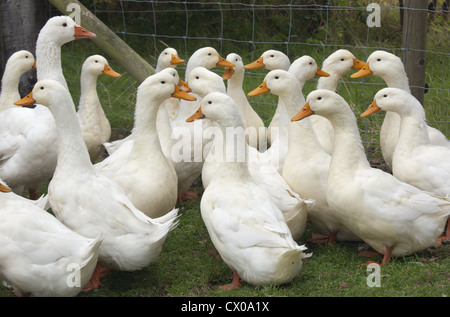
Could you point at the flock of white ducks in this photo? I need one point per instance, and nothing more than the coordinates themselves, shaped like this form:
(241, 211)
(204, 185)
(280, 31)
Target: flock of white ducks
(117, 213)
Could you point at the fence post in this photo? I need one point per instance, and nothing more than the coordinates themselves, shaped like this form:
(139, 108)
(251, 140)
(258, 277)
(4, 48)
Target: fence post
(109, 42)
(414, 45)
(20, 22)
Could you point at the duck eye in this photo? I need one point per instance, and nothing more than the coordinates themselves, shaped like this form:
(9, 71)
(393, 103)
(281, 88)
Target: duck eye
(163, 82)
(277, 77)
(310, 63)
(384, 96)
(209, 102)
(342, 59)
(96, 61)
(196, 77)
(272, 55)
(64, 24)
(209, 54)
(379, 60)
(319, 98)
(41, 88)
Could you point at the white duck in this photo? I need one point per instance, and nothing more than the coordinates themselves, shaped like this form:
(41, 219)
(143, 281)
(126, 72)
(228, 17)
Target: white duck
(18, 138)
(415, 160)
(253, 124)
(201, 82)
(28, 136)
(336, 65)
(145, 174)
(189, 148)
(390, 68)
(90, 203)
(39, 255)
(272, 60)
(17, 64)
(303, 69)
(168, 58)
(261, 168)
(306, 163)
(94, 124)
(55, 33)
(393, 217)
(246, 227)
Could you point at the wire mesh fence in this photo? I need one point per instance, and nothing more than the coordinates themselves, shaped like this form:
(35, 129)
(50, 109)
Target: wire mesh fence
(248, 28)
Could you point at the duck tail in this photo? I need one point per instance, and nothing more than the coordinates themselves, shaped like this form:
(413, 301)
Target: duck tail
(92, 250)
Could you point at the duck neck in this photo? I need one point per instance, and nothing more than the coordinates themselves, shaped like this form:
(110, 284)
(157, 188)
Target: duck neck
(303, 142)
(10, 89)
(236, 81)
(48, 62)
(145, 131)
(72, 151)
(292, 102)
(235, 91)
(397, 80)
(329, 83)
(413, 129)
(348, 151)
(89, 102)
(234, 149)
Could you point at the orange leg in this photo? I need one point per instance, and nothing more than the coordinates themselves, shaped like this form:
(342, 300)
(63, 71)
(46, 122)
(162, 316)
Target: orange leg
(446, 236)
(235, 284)
(94, 282)
(387, 255)
(318, 238)
(187, 196)
(333, 238)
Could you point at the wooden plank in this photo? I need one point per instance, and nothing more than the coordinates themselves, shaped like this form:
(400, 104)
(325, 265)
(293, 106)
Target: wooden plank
(109, 42)
(414, 44)
(20, 22)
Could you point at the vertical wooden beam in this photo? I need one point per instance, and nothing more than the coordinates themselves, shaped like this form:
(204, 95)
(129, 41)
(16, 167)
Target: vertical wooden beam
(20, 22)
(109, 42)
(414, 45)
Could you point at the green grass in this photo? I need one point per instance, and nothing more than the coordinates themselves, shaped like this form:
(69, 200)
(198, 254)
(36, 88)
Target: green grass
(189, 266)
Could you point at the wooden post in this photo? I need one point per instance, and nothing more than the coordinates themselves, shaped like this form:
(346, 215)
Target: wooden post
(20, 22)
(414, 45)
(109, 42)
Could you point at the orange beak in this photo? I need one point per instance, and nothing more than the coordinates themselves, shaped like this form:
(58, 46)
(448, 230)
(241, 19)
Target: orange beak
(229, 71)
(181, 94)
(373, 108)
(185, 86)
(224, 63)
(256, 64)
(305, 112)
(363, 72)
(197, 115)
(176, 60)
(34, 65)
(110, 72)
(261, 89)
(357, 64)
(321, 73)
(82, 33)
(27, 100)
(4, 189)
